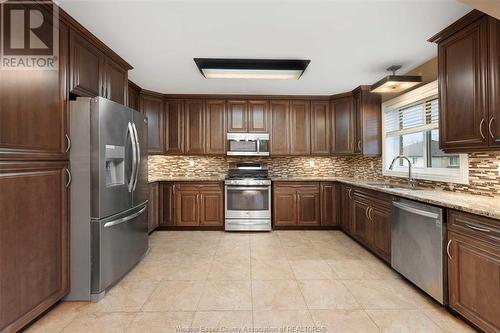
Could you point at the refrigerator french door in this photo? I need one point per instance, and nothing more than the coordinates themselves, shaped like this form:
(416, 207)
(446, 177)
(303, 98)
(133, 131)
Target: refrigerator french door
(108, 194)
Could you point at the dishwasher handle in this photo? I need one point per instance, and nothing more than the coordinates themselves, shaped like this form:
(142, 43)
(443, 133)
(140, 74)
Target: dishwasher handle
(415, 210)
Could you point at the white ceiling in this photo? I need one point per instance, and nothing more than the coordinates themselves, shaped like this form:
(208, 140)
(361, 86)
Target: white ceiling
(349, 42)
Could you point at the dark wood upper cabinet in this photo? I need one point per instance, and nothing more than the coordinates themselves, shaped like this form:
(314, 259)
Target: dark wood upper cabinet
(494, 83)
(33, 110)
(258, 116)
(330, 199)
(34, 240)
(343, 121)
(237, 117)
(194, 126)
(174, 126)
(215, 134)
(280, 127)
(474, 268)
(116, 82)
(300, 128)
(133, 95)
(86, 66)
(468, 61)
(368, 130)
(320, 128)
(151, 105)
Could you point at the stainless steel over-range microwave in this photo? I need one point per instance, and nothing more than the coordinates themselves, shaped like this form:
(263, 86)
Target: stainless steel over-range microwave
(248, 144)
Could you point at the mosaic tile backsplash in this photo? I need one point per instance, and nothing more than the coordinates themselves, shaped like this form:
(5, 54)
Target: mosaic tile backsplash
(484, 176)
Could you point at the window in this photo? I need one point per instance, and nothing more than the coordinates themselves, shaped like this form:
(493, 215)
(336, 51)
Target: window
(411, 128)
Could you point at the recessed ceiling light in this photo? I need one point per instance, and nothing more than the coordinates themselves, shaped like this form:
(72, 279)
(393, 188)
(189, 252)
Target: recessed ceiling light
(395, 83)
(277, 69)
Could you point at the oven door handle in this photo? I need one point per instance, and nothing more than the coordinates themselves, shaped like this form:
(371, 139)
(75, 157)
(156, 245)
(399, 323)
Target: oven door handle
(252, 188)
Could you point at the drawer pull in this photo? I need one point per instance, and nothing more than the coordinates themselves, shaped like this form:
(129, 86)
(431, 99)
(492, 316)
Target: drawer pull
(477, 228)
(448, 250)
(481, 128)
(68, 183)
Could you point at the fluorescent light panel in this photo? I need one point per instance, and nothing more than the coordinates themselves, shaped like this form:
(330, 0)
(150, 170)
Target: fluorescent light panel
(277, 69)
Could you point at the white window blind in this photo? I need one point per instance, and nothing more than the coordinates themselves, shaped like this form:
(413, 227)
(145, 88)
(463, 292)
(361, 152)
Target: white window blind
(421, 116)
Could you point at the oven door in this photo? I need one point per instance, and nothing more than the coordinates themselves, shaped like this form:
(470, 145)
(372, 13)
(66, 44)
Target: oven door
(248, 202)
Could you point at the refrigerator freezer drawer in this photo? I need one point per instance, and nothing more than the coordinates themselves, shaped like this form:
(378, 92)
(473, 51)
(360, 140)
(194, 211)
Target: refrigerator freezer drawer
(118, 243)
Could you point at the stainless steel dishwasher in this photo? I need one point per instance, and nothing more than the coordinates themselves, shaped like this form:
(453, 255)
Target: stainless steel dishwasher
(417, 241)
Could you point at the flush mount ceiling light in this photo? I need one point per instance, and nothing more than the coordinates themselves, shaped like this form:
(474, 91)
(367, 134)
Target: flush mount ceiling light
(278, 69)
(395, 83)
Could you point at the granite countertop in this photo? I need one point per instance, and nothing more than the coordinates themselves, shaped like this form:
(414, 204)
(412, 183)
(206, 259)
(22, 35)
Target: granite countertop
(476, 204)
(480, 205)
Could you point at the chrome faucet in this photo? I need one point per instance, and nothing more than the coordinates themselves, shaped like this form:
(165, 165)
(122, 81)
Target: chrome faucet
(411, 181)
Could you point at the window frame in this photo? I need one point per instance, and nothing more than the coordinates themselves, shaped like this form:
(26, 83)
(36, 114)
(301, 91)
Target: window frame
(424, 173)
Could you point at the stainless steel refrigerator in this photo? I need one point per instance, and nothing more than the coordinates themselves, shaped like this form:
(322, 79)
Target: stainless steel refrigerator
(109, 192)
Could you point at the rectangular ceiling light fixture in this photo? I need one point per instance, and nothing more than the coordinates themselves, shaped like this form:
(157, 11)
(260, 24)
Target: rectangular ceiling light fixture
(278, 69)
(395, 83)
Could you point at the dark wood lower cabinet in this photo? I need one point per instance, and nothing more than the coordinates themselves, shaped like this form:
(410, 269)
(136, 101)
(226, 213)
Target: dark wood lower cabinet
(370, 218)
(198, 204)
(345, 208)
(34, 240)
(167, 208)
(296, 204)
(154, 206)
(330, 195)
(474, 269)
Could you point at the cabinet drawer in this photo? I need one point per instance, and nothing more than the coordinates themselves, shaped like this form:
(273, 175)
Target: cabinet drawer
(474, 225)
(196, 186)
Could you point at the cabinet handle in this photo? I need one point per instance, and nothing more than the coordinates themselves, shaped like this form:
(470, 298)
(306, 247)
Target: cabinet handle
(367, 213)
(349, 192)
(448, 250)
(477, 228)
(489, 128)
(481, 128)
(359, 145)
(370, 213)
(69, 177)
(68, 143)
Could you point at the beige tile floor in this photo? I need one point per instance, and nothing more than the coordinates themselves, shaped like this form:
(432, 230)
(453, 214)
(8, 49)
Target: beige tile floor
(194, 281)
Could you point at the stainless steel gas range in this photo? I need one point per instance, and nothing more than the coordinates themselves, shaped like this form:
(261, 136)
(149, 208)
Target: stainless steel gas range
(248, 197)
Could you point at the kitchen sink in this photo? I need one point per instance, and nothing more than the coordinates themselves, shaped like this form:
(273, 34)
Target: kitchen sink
(394, 186)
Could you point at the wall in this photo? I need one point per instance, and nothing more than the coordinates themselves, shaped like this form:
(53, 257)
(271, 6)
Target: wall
(484, 169)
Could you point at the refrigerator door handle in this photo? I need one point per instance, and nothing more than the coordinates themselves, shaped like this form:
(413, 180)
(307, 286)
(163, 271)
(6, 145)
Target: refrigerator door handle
(138, 159)
(134, 157)
(125, 219)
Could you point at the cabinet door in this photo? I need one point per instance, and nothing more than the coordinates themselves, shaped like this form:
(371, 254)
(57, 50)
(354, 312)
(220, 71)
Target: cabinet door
(153, 206)
(211, 208)
(86, 66)
(343, 122)
(174, 125)
(360, 221)
(474, 280)
(380, 223)
(358, 128)
(462, 57)
(320, 128)
(34, 240)
(116, 82)
(308, 206)
(152, 107)
(300, 128)
(285, 206)
(494, 83)
(258, 116)
(187, 210)
(33, 110)
(329, 203)
(280, 127)
(133, 96)
(194, 126)
(346, 209)
(215, 128)
(237, 117)
(167, 201)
